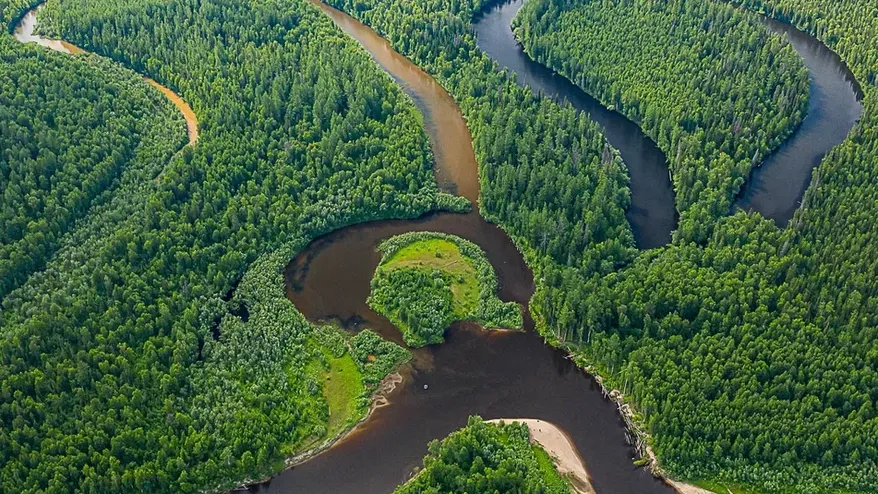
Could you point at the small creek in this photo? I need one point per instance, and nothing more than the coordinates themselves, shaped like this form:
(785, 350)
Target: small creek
(24, 32)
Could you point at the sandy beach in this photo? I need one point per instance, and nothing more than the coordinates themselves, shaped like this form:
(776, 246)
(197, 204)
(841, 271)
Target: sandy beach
(561, 449)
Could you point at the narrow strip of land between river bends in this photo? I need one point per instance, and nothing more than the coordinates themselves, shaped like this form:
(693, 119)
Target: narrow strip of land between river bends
(25, 32)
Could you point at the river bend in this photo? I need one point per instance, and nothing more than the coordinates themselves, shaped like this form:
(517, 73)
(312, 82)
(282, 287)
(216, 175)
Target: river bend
(493, 374)
(25, 33)
(508, 374)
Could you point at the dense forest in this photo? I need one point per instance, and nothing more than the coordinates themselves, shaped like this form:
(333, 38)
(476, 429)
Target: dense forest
(749, 356)
(156, 351)
(704, 80)
(427, 280)
(147, 344)
(484, 457)
(72, 132)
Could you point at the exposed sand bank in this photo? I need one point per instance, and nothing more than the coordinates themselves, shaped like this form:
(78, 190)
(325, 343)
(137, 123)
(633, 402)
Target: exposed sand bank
(560, 448)
(687, 488)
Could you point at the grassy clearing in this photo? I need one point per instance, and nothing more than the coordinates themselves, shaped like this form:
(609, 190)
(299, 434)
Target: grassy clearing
(342, 388)
(441, 254)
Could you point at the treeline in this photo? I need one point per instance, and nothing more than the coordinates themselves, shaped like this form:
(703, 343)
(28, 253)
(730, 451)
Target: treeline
(705, 80)
(484, 457)
(132, 363)
(751, 358)
(73, 130)
(427, 280)
(12, 10)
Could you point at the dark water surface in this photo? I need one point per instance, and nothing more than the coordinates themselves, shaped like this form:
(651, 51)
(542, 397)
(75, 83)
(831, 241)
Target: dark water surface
(493, 374)
(776, 187)
(652, 213)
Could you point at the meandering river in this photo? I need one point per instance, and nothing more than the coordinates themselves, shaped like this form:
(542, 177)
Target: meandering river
(25, 33)
(507, 374)
(493, 374)
(652, 213)
(775, 187)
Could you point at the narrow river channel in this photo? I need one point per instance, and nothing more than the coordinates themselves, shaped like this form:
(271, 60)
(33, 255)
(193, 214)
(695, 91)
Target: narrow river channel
(493, 374)
(506, 374)
(652, 213)
(25, 33)
(775, 187)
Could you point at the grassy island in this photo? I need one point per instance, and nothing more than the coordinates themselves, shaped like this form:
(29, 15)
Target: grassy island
(428, 280)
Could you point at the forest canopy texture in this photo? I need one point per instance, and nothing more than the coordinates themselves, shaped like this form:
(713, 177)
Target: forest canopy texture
(703, 79)
(752, 357)
(485, 457)
(750, 354)
(145, 340)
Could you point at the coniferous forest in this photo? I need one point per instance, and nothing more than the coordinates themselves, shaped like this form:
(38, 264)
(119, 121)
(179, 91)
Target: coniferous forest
(146, 340)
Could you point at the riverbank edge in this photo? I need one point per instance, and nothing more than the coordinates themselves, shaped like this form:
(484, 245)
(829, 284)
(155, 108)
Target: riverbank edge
(782, 138)
(189, 116)
(379, 397)
(565, 464)
(634, 420)
(636, 432)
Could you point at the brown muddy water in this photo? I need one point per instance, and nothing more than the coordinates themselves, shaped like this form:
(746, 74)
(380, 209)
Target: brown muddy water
(493, 374)
(24, 33)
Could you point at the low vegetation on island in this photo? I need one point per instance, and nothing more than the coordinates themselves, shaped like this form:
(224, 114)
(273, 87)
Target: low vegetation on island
(735, 334)
(487, 457)
(428, 280)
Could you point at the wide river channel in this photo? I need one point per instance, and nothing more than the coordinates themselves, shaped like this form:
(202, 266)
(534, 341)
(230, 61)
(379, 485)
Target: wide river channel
(510, 374)
(513, 374)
